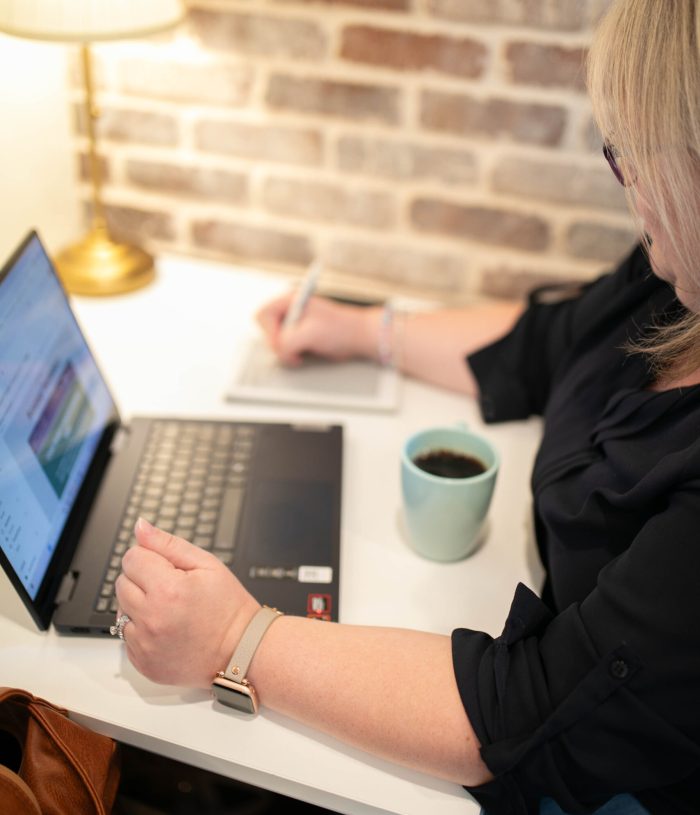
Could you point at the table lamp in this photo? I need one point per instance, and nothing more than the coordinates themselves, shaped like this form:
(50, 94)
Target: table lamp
(97, 264)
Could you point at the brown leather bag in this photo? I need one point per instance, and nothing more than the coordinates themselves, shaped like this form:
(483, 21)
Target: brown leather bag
(50, 765)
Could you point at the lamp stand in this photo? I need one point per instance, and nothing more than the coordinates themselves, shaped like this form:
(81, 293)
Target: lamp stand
(98, 265)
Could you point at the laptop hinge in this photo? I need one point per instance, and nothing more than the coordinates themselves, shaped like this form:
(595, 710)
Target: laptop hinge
(119, 440)
(67, 587)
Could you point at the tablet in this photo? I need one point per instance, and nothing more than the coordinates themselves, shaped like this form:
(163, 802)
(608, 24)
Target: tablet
(357, 384)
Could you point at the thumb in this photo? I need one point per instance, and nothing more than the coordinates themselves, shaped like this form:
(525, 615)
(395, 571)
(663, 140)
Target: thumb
(179, 552)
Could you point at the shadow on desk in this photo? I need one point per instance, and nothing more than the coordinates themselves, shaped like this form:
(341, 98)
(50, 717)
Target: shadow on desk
(154, 785)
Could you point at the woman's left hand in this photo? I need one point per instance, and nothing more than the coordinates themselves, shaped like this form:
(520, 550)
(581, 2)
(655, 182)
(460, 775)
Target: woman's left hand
(186, 610)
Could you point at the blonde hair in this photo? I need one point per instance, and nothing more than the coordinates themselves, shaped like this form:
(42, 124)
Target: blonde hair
(644, 83)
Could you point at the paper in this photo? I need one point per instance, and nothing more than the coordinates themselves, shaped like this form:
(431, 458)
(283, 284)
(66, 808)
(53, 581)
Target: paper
(258, 376)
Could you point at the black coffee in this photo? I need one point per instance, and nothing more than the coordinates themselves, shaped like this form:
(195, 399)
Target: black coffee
(449, 464)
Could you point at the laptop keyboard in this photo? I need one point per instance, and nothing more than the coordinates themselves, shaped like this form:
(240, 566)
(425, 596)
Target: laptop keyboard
(191, 482)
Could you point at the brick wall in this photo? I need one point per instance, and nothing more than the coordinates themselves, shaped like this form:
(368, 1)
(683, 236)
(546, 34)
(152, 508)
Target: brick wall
(440, 146)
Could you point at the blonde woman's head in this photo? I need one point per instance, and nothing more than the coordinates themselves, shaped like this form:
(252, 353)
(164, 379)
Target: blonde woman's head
(644, 82)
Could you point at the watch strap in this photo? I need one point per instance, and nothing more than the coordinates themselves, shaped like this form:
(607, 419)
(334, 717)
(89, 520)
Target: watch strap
(239, 663)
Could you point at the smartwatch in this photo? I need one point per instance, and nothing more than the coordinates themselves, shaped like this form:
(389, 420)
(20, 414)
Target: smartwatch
(230, 687)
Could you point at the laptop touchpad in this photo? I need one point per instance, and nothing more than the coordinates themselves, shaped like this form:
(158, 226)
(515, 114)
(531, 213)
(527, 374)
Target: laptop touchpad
(291, 523)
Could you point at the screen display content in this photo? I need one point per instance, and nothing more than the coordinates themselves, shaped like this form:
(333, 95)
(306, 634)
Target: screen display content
(54, 406)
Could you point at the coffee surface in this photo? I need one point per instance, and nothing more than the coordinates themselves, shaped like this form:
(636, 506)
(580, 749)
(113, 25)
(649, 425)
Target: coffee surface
(449, 464)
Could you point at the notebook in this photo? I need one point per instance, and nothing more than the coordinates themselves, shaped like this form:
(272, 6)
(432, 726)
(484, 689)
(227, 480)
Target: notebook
(354, 384)
(263, 497)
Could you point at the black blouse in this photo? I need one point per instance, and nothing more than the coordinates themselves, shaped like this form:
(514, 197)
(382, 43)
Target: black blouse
(594, 689)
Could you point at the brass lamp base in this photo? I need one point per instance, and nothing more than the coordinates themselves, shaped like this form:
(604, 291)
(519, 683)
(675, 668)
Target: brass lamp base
(97, 265)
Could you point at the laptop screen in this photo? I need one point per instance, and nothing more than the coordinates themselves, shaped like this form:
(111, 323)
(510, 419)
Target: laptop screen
(54, 406)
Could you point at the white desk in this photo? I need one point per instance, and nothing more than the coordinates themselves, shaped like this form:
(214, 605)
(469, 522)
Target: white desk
(167, 350)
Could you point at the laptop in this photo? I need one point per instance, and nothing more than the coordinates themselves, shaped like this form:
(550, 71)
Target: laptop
(263, 497)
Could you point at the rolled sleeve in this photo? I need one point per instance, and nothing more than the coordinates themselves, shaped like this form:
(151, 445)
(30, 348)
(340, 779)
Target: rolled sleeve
(516, 373)
(601, 698)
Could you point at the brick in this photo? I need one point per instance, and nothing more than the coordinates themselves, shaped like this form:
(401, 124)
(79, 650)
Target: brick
(595, 241)
(345, 100)
(495, 118)
(406, 51)
(102, 163)
(398, 265)
(483, 224)
(291, 145)
(404, 161)
(258, 34)
(559, 183)
(204, 182)
(137, 225)
(187, 81)
(137, 126)
(565, 15)
(508, 283)
(329, 203)
(370, 5)
(550, 66)
(252, 243)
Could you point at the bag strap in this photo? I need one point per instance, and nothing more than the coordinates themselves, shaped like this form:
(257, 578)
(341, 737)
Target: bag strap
(18, 695)
(15, 794)
(45, 714)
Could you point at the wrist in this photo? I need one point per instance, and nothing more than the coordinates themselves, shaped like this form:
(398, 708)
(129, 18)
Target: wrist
(234, 632)
(368, 335)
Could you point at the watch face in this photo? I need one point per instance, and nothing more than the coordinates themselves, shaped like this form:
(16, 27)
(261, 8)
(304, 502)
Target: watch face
(235, 695)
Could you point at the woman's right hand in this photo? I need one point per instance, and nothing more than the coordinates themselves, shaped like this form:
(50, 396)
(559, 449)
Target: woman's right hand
(336, 331)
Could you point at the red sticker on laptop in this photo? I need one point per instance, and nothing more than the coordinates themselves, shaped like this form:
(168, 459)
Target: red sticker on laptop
(318, 604)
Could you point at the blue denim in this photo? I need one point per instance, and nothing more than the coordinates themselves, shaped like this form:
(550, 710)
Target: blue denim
(619, 805)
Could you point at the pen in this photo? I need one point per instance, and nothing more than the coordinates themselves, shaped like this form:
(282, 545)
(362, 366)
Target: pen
(301, 298)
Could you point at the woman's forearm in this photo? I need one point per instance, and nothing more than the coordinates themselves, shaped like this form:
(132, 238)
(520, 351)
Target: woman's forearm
(431, 346)
(389, 691)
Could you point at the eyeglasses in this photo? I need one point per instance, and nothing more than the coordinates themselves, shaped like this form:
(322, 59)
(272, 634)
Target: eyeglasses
(611, 154)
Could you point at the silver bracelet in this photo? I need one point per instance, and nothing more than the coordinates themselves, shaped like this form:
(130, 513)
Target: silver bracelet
(385, 345)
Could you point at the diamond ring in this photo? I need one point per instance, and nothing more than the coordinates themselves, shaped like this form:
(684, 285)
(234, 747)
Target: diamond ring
(117, 630)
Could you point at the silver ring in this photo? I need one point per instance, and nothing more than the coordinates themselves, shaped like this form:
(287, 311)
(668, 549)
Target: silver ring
(117, 630)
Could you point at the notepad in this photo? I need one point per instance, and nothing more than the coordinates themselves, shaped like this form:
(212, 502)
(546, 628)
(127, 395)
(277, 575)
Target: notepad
(357, 384)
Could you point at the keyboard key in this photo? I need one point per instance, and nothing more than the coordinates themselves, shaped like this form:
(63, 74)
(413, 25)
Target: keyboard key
(230, 512)
(205, 529)
(191, 481)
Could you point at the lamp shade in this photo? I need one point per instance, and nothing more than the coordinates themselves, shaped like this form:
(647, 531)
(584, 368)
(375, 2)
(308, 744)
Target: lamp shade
(87, 20)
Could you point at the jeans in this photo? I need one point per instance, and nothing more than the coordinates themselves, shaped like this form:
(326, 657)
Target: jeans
(619, 805)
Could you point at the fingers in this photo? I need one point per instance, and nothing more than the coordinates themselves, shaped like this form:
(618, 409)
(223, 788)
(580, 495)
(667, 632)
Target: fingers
(130, 596)
(144, 568)
(271, 316)
(289, 343)
(178, 552)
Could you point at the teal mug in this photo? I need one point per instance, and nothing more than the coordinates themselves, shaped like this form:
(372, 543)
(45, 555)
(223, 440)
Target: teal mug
(445, 514)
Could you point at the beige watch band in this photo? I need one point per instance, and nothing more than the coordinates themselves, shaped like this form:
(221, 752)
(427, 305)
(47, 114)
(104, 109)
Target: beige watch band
(248, 644)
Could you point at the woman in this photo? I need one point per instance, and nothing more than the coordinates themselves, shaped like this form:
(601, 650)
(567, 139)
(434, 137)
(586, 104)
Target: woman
(589, 698)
